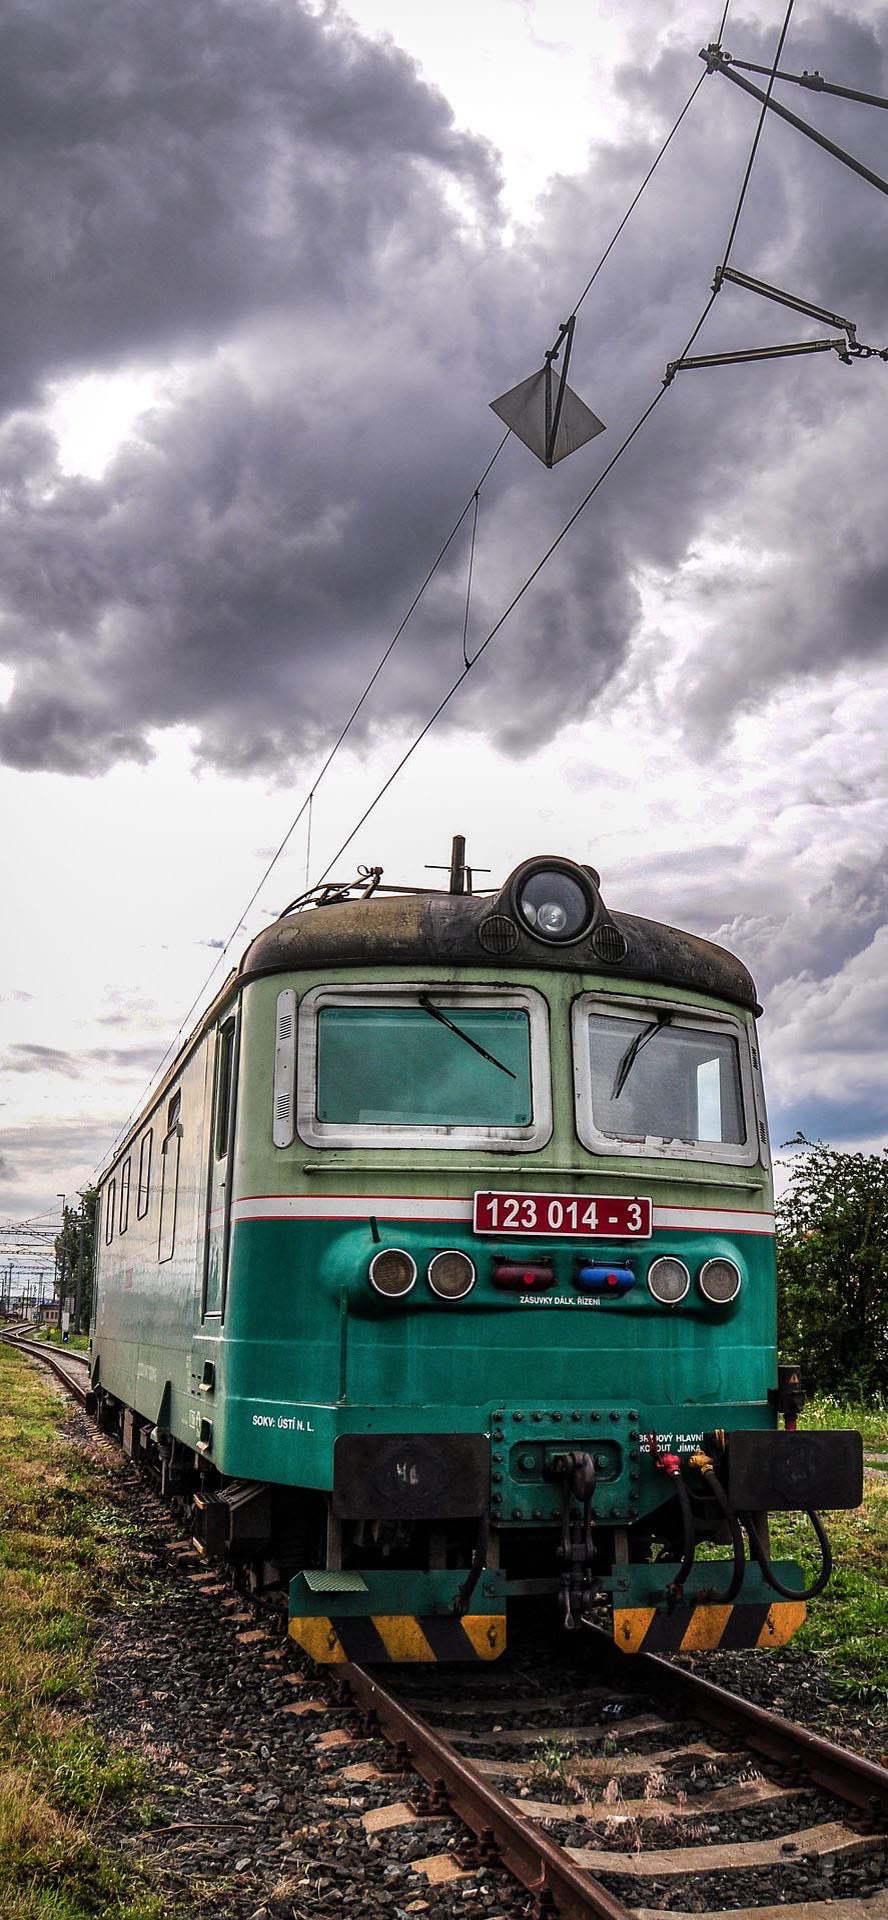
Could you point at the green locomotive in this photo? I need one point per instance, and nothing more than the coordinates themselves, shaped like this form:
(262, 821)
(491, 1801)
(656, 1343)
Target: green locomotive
(439, 1273)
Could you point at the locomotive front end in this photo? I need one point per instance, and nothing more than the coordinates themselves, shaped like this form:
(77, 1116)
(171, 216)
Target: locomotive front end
(502, 1292)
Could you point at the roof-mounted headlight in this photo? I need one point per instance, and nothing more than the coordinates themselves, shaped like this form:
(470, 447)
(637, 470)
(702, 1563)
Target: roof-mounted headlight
(556, 903)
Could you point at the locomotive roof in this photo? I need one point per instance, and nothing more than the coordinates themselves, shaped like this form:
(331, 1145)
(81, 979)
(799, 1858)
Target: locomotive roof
(414, 926)
(447, 929)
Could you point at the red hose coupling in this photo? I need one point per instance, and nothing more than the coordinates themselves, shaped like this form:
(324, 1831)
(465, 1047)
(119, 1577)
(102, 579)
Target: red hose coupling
(668, 1463)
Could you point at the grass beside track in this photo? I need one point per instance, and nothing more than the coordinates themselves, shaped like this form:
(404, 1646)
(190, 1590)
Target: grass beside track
(63, 1554)
(75, 1343)
(848, 1624)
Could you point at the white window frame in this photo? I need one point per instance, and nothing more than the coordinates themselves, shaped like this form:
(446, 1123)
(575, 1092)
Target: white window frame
(658, 1146)
(324, 1133)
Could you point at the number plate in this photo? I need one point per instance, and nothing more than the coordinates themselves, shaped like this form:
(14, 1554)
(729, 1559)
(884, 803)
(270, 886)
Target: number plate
(588, 1216)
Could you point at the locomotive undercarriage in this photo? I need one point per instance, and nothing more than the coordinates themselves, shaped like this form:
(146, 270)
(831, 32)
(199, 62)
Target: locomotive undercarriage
(420, 1583)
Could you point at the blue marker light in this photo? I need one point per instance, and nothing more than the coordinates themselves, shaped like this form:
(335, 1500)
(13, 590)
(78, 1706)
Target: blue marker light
(605, 1279)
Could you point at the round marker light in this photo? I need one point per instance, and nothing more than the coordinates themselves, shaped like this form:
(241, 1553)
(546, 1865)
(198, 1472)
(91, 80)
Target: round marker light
(668, 1280)
(392, 1273)
(719, 1282)
(554, 905)
(451, 1275)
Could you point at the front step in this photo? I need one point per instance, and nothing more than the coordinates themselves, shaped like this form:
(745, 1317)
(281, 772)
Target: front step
(378, 1616)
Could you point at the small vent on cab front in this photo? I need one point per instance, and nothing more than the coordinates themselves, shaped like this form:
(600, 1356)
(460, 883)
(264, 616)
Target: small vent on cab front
(498, 934)
(284, 1067)
(609, 943)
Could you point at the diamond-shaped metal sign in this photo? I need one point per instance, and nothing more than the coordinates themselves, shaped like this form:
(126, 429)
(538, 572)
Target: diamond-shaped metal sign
(524, 409)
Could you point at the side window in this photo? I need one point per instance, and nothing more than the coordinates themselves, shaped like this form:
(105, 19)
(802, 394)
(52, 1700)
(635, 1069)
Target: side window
(169, 1180)
(111, 1191)
(224, 1067)
(125, 1175)
(144, 1189)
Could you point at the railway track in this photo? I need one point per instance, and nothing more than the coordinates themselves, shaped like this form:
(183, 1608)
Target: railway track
(610, 1789)
(70, 1368)
(676, 1796)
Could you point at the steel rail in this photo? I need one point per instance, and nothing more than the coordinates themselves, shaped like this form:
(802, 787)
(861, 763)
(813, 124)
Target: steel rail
(55, 1363)
(541, 1866)
(538, 1862)
(863, 1783)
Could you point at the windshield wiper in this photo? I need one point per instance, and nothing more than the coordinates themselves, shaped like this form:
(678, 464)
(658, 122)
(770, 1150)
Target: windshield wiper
(436, 1014)
(628, 1059)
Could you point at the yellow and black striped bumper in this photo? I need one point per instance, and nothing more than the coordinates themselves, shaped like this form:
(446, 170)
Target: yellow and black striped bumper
(698, 1629)
(375, 1638)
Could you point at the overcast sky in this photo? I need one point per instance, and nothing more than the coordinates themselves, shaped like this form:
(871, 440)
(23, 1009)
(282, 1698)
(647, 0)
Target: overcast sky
(266, 264)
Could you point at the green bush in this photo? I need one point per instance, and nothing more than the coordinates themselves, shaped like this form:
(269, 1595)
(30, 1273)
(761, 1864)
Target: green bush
(832, 1269)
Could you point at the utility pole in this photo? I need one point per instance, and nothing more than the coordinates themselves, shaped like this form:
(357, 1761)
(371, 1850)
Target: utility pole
(61, 1250)
(78, 1275)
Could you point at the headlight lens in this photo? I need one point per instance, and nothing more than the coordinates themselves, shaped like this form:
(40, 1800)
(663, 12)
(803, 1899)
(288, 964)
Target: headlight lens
(554, 905)
(668, 1280)
(451, 1275)
(719, 1282)
(392, 1272)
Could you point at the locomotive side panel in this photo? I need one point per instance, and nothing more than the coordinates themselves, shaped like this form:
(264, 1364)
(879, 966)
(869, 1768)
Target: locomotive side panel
(150, 1254)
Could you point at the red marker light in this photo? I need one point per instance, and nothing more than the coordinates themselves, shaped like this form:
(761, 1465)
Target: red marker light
(510, 1277)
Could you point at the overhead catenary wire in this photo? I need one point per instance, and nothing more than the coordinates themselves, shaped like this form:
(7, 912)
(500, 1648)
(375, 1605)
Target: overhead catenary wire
(648, 177)
(588, 497)
(389, 649)
(471, 569)
(500, 623)
(308, 800)
(755, 139)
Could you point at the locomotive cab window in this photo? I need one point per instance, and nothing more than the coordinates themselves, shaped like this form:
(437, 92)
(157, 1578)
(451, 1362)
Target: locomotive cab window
(432, 1065)
(661, 1080)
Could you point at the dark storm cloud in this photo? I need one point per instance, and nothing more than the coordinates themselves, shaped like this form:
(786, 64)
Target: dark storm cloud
(167, 168)
(28, 1057)
(126, 1059)
(31, 1057)
(816, 934)
(265, 192)
(43, 1160)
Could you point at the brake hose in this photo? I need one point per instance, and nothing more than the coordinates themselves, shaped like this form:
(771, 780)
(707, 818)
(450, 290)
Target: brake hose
(670, 1464)
(714, 1486)
(826, 1560)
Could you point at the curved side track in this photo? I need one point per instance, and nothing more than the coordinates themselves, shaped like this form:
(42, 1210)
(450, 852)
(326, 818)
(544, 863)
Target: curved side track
(69, 1368)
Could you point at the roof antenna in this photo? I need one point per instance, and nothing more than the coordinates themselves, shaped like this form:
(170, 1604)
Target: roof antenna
(460, 874)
